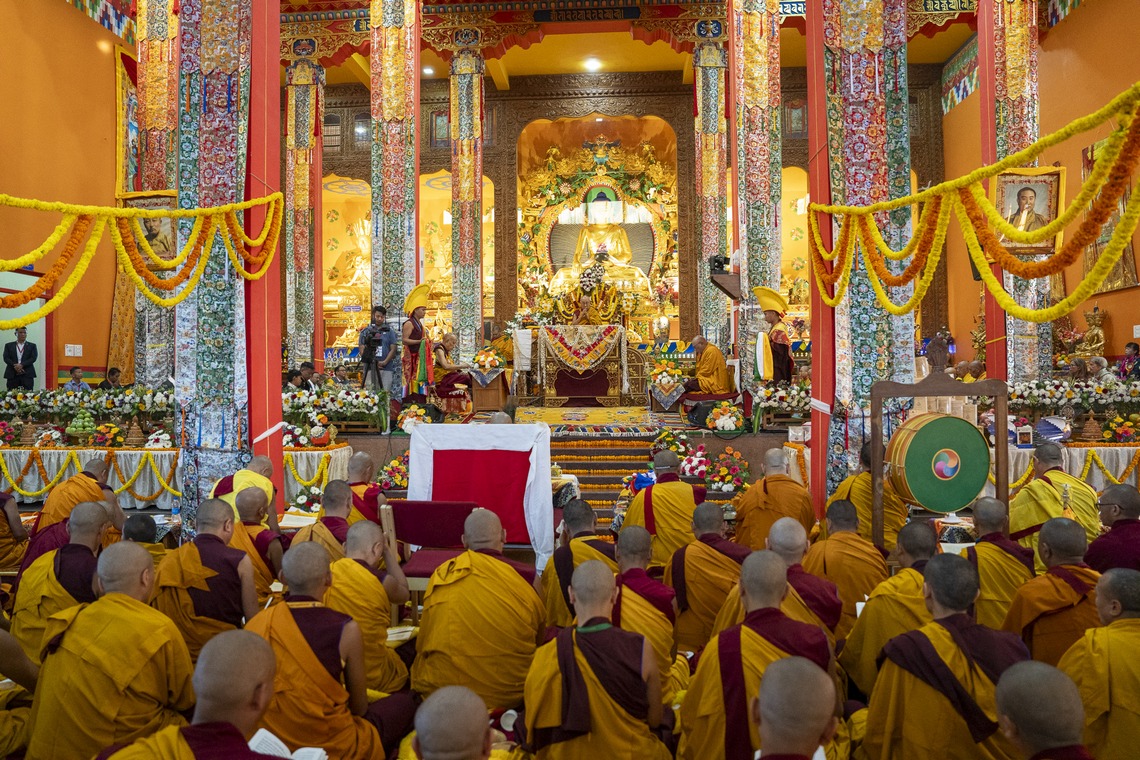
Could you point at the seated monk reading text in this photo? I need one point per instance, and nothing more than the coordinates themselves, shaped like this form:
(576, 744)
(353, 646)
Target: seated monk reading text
(330, 530)
(711, 374)
(257, 474)
(263, 546)
(1003, 565)
(579, 543)
(665, 509)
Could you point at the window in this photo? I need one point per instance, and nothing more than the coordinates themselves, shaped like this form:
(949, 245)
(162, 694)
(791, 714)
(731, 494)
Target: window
(362, 131)
(332, 132)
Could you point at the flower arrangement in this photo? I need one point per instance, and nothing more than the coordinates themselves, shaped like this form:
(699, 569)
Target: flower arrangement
(411, 416)
(729, 472)
(9, 433)
(308, 500)
(696, 464)
(1050, 396)
(50, 438)
(725, 416)
(791, 398)
(665, 372)
(394, 476)
(488, 359)
(671, 440)
(1120, 430)
(159, 439)
(592, 278)
(308, 436)
(108, 435)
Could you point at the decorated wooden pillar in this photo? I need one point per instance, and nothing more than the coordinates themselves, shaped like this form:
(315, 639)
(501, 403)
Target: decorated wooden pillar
(304, 109)
(466, 84)
(394, 59)
(710, 67)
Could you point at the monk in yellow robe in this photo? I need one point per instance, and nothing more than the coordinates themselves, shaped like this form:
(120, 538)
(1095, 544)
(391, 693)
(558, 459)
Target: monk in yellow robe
(648, 607)
(774, 496)
(89, 485)
(1039, 710)
(714, 718)
(595, 688)
(946, 669)
(331, 530)
(1003, 565)
(320, 698)
(114, 670)
(1106, 669)
(367, 498)
(711, 375)
(204, 586)
(795, 710)
(1051, 493)
(233, 683)
(142, 530)
(1053, 611)
(59, 579)
(579, 543)
(257, 474)
(857, 490)
(452, 723)
(848, 560)
(665, 509)
(361, 590)
(13, 536)
(15, 703)
(482, 619)
(895, 607)
(262, 545)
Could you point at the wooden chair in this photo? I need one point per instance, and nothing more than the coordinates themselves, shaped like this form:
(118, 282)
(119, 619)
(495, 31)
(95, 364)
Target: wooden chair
(436, 527)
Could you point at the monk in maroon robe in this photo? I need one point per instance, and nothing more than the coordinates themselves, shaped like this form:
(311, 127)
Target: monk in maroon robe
(1120, 547)
(1040, 711)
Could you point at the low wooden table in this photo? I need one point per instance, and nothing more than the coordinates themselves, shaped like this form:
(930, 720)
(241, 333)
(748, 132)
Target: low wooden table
(492, 398)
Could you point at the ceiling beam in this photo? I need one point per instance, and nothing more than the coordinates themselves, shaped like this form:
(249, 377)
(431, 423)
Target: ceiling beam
(499, 74)
(360, 67)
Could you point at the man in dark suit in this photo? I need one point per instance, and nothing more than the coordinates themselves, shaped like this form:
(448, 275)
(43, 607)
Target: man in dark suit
(20, 361)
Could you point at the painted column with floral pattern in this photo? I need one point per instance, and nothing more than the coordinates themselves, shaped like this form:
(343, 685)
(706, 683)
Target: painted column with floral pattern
(710, 68)
(466, 87)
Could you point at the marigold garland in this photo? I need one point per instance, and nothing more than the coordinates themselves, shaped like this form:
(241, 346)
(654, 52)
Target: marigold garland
(923, 285)
(158, 262)
(47, 282)
(125, 241)
(11, 265)
(322, 474)
(71, 458)
(63, 293)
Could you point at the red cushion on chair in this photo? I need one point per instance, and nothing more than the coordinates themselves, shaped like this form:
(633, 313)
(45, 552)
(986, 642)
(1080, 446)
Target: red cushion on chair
(436, 524)
(424, 562)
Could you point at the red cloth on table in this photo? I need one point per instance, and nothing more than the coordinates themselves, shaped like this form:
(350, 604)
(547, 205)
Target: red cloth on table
(493, 479)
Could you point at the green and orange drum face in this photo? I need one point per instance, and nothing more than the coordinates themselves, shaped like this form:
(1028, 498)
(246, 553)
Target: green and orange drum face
(938, 462)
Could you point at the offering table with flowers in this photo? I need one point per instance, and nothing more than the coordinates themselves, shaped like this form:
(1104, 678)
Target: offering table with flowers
(491, 381)
(308, 471)
(140, 477)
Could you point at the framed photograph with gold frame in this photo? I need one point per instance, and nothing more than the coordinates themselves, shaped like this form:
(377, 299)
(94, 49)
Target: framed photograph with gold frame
(161, 233)
(1029, 199)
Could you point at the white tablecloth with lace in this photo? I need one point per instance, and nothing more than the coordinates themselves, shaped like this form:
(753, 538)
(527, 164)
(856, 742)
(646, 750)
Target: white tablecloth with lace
(313, 468)
(140, 477)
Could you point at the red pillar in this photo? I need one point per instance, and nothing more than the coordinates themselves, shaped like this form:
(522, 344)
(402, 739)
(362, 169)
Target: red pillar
(996, 366)
(822, 316)
(316, 193)
(263, 298)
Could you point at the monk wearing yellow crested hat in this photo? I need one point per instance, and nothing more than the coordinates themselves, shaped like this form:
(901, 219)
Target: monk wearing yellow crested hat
(774, 363)
(417, 356)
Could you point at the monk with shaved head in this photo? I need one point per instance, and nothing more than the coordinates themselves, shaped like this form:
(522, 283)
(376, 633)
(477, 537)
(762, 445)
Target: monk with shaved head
(1003, 565)
(143, 530)
(331, 528)
(1052, 493)
(595, 688)
(579, 542)
(205, 586)
(452, 724)
(714, 715)
(1106, 669)
(774, 496)
(482, 619)
(263, 546)
(114, 670)
(665, 509)
(1120, 510)
(856, 489)
(257, 474)
(1053, 611)
(86, 486)
(795, 710)
(367, 498)
(1040, 712)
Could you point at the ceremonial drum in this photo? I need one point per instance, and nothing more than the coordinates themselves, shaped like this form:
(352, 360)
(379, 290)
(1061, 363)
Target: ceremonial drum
(938, 462)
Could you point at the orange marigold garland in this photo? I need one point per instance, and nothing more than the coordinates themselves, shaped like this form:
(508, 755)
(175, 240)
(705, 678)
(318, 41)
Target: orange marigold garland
(925, 237)
(48, 281)
(841, 251)
(122, 230)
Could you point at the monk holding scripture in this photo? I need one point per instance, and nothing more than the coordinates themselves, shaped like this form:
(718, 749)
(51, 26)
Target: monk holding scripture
(1053, 611)
(452, 725)
(579, 543)
(1120, 510)
(711, 375)
(1040, 712)
(774, 496)
(59, 579)
(89, 485)
(367, 498)
(330, 530)
(857, 490)
(263, 546)
(714, 717)
(114, 670)
(366, 593)
(595, 690)
(142, 530)
(206, 587)
(665, 509)
(897, 605)
(482, 620)
(1105, 667)
(703, 573)
(795, 711)
(257, 474)
(1051, 493)
(13, 536)
(1003, 565)
(848, 560)
(947, 668)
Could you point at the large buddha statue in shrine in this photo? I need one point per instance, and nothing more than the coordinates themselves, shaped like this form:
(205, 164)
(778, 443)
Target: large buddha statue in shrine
(608, 245)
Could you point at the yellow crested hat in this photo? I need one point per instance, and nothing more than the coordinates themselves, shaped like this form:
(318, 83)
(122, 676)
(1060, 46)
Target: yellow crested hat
(417, 297)
(770, 300)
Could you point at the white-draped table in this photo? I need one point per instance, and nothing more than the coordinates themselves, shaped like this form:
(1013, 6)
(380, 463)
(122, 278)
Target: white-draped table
(313, 468)
(140, 477)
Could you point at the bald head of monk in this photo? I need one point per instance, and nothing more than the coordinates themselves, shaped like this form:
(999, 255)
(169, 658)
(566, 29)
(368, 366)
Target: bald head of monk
(665, 462)
(125, 568)
(483, 530)
(788, 540)
(252, 505)
(950, 586)
(141, 529)
(1046, 457)
(262, 465)
(216, 518)
(592, 591)
(990, 516)
(1120, 502)
(579, 517)
(1118, 595)
(365, 542)
(634, 548)
(1062, 542)
(233, 680)
(842, 516)
(499, 418)
(1039, 708)
(305, 570)
(87, 524)
(916, 543)
(865, 454)
(708, 518)
(336, 499)
(452, 724)
(775, 462)
(96, 468)
(361, 467)
(795, 711)
(763, 581)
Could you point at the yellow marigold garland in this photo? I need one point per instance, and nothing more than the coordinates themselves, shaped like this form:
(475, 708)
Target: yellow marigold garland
(11, 265)
(156, 261)
(62, 294)
(923, 285)
(125, 241)
(321, 474)
(71, 458)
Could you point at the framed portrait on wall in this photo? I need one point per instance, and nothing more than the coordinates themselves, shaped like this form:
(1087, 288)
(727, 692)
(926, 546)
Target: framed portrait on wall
(159, 233)
(1123, 275)
(1029, 199)
(439, 134)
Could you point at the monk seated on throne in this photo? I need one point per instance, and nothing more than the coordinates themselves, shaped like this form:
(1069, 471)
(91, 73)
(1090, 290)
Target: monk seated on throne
(451, 393)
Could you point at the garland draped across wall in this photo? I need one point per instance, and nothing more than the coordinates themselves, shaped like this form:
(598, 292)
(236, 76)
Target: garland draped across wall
(984, 228)
(136, 255)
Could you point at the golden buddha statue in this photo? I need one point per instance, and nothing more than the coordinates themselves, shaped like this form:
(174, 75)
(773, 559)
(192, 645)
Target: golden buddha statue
(607, 244)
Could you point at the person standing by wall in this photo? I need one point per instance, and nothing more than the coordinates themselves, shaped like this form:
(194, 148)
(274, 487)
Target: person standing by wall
(20, 361)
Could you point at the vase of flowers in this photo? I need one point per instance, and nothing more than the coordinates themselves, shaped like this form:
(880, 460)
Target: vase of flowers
(394, 476)
(672, 440)
(488, 359)
(725, 417)
(308, 499)
(1120, 430)
(108, 435)
(729, 473)
(411, 416)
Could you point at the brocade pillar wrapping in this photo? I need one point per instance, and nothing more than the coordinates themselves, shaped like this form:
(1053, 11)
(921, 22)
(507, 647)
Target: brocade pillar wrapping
(466, 85)
(710, 66)
(1029, 346)
(394, 61)
(868, 131)
(304, 109)
(210, 371)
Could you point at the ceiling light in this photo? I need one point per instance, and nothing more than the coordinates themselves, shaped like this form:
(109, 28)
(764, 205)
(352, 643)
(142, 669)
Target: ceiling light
(428, 71)
(592, 64)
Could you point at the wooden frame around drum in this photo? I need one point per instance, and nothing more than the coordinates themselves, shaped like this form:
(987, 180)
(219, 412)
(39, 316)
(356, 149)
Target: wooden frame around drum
(936, 384)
